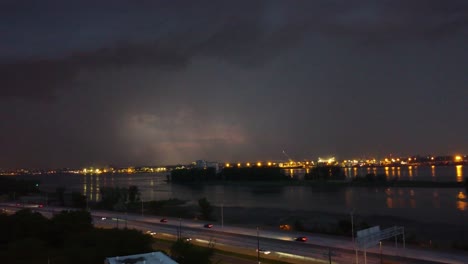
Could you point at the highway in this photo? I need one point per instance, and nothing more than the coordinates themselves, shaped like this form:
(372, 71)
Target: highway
(281, 244)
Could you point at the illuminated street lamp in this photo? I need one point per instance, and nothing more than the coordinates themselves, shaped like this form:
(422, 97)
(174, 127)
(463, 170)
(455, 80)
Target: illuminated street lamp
(380, 243)
(258, 247)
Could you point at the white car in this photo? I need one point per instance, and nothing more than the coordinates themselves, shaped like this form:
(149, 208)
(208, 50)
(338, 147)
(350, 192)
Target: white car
(266, 252)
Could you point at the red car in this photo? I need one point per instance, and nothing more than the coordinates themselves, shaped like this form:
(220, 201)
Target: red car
(164, 220)
(208, 225)
(301, 239)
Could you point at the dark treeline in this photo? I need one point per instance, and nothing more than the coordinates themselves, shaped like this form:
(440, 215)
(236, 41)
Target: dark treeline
(253, 174)
(128, 200)
(196, 175)
(12, 186)
(119, 199)
(68, 237)
(325, 173)
(372, 178)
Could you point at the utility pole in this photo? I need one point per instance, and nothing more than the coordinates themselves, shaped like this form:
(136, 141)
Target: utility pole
(380, 243)
(352, 225)
(258, 246)
(352, 234)
(179, 229)
(222, 216)
(141, 207)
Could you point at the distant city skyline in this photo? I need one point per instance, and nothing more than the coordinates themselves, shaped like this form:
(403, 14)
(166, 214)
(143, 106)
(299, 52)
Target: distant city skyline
(167, 82)
(328, 160)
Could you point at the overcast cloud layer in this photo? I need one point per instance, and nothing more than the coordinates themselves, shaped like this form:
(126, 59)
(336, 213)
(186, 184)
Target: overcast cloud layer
(164, 82)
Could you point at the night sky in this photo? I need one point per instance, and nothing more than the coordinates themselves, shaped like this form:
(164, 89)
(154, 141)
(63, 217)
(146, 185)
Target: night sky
(95, 83)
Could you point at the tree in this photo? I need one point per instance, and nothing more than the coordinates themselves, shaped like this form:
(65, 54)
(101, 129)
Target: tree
(111, 196)
(205, 208)
(60, 195)
(95, 245)
(133, 194)
(73, 221)
(26, 223)
(78, 200)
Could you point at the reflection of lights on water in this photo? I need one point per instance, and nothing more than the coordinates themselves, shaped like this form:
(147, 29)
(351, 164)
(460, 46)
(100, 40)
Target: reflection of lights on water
(459, 169)
(97, 187)
(389, 202)
(435, 200)
(462, 205)
(461, 196)
(388, 191)
(412, 200)
(433, 171)
(91, 187)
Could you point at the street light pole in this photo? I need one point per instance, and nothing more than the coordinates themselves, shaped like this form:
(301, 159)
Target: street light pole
(381, 260)
(180, 228)
(352, 234)
(141, 207)
(352, 225)
(258, 246)
(222, 216)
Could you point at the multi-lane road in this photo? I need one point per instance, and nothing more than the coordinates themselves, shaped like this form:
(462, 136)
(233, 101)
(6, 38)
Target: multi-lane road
(279, 244)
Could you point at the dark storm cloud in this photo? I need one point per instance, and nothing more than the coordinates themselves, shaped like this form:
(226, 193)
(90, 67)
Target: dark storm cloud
(246, 33)
(144, 82)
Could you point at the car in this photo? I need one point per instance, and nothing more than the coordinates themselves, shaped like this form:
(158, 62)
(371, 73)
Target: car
(188, 239)
(103, 218)
(164, 220)
(208, 225)
(263, 251)
(149, 232)
(301, 239)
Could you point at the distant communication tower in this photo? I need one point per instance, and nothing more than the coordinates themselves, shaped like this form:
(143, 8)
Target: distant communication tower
(287, 156)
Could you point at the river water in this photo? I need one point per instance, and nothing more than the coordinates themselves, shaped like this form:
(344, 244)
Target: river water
(445, 205)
